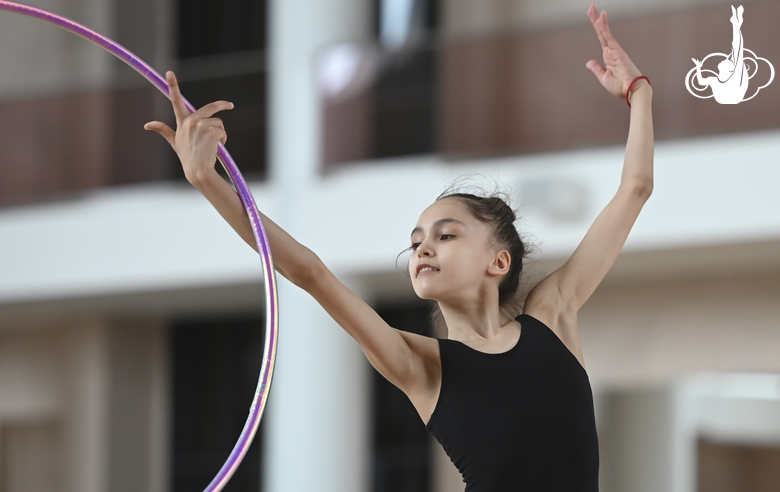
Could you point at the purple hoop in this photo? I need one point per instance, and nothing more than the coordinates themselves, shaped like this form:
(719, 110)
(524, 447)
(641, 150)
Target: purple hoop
(269, 274)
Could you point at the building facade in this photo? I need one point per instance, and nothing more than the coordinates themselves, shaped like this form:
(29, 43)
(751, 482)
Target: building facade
(131, 314)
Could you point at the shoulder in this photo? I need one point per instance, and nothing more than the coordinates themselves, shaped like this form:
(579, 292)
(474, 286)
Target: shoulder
(544, 304)
(549, 303)
(422, 343)
(554, 316)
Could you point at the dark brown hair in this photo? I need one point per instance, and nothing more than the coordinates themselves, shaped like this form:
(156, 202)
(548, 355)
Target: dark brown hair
(494, 210)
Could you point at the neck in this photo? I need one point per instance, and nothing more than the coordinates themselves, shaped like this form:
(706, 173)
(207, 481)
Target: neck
(477, 321)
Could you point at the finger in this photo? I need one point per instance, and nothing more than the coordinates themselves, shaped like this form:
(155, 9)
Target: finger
(211, 108)
(596, 68)
(597, 25)
(220, 131)
(605, 32)
(212, 128)
(210, 123)
(215, 122)
(179, 108)
(163, 129)
(592, 12)
(222, 135)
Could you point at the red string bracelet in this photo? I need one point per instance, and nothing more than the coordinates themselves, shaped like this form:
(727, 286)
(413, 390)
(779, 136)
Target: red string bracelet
(631, 85)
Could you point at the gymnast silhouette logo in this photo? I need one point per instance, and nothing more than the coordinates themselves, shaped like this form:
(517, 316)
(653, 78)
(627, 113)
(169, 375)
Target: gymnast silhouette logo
(735, 70)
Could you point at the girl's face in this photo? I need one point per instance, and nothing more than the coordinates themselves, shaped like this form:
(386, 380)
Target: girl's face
(453, 259)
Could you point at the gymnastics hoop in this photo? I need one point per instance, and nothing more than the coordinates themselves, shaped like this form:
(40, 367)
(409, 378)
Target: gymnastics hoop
(261, 238)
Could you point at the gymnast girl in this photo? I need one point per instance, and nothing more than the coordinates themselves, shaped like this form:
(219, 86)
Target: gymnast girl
(731, 84)
(507, 396)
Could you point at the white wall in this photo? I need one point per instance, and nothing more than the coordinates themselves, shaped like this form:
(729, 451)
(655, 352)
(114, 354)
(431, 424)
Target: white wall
(708, 192)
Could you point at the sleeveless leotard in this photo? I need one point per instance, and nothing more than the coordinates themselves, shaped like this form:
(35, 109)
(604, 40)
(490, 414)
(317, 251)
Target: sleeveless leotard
(518, 421)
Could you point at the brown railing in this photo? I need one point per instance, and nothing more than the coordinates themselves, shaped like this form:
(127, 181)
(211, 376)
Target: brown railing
(60, 145)
(529, 91)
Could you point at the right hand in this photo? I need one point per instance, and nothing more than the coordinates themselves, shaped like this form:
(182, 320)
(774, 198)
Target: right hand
(618, 71)
(197, 135)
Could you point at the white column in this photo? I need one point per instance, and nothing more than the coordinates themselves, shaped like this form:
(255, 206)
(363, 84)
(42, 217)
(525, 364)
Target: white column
(316, 434)
(298, 30)
(85, 387)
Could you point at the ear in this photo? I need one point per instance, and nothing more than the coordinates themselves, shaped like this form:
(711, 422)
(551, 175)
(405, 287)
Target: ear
(500, 264)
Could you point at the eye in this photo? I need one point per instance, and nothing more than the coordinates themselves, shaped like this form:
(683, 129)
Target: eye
(414, 246)
(445, 237)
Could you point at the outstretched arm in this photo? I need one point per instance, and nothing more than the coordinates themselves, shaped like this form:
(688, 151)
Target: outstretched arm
(195, 142)
(398, 356)
(564, 291)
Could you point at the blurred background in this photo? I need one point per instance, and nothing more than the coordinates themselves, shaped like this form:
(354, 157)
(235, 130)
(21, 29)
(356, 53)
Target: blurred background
(131, 316)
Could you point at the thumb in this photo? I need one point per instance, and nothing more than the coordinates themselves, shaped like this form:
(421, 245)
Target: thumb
(596, 68)
(161, 128)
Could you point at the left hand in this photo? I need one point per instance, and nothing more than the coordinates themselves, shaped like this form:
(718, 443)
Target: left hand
(620, 70)
(197, 134)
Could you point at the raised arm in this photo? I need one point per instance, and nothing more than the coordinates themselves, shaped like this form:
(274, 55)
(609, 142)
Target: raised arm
(564, 291)
(398, 356)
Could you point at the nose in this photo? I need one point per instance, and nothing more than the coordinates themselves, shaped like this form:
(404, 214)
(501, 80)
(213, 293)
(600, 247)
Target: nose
(424, 250)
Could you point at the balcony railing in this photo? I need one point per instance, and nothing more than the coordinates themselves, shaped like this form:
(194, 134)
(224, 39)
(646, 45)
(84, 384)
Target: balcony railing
(527, 91)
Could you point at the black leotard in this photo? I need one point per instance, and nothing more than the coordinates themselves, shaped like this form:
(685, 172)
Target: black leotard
(521, 420)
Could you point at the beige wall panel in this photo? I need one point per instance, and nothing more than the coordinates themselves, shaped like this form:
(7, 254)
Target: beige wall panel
(136, 435)
(29, 376)
(737, 468)
(93, 395)
(30, 458)
(653, 332)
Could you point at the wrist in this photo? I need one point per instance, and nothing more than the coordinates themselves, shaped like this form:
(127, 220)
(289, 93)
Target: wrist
(641, 84)
(201, 177)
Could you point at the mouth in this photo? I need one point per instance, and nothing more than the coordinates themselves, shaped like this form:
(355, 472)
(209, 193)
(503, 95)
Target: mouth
(424, 268)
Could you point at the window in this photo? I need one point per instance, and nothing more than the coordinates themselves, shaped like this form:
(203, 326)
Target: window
(221, 47)
(215, 27)
(216, 364)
